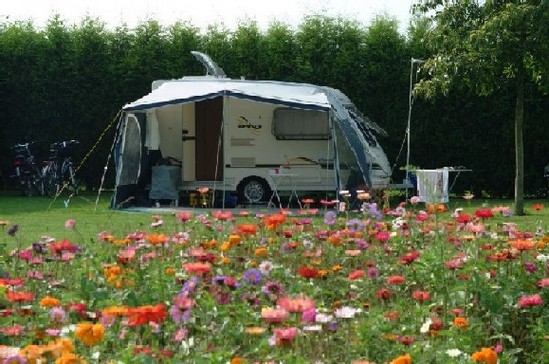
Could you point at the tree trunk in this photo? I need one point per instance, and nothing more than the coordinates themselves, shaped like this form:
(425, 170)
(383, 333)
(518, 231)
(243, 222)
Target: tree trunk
(519, 145)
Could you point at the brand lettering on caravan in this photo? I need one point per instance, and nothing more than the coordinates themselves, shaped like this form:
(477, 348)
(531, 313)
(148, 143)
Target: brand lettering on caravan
(244, 123)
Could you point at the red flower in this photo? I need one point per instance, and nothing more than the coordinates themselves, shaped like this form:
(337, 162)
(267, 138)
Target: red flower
(421, 296)
(144, 314)
(356, 274)
(538, 206)
(409, 258)
(247, 229)
(395, 279)
(464, 218)
(383, 236)
(19, 297)
(307, 272)
(484, 213)
(383, 293)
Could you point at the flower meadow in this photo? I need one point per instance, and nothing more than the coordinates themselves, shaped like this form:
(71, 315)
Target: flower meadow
(413, 284)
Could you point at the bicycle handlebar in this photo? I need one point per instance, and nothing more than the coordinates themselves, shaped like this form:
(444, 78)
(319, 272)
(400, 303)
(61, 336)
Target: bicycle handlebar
(64, 144)
(22, 145)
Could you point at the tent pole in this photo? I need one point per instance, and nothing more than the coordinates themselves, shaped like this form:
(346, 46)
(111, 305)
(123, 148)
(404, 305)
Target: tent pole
(115, 139)
(410, 102)
(336, 157)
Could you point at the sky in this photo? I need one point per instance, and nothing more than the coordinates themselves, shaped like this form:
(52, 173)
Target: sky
(201, 13)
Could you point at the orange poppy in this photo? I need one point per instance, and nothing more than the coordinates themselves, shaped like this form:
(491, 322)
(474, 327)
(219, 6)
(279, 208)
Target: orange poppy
(522, 244)
(157, 239)
(486, 356)
(461, 322)
(261, 252)
(49, 301)
(403, 359)
(90, 334)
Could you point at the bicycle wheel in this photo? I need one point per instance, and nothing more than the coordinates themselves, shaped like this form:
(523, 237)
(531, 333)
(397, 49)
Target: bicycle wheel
(69, 178)
(26, 185)
(38, 181)
(50, 180)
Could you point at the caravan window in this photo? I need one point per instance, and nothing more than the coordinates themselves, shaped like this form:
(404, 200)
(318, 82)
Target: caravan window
(296, 124)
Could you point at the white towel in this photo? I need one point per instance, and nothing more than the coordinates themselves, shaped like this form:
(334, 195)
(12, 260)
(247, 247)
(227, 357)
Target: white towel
(152, 139)
(432, 185)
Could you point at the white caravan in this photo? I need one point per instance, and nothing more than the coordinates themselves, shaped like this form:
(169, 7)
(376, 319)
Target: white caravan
(244, 137)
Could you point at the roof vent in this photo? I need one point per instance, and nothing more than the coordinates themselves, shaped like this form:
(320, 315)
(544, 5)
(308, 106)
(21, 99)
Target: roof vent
(212, 69)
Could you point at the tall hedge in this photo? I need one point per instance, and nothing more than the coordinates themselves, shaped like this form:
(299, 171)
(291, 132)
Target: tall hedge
(70, 81)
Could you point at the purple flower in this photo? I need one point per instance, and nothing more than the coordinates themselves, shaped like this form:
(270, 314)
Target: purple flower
(355, 225)
(15, 359)
(373, 272)
(253, 276)
(58, 315)
(38, 247)
(13, 229)
(189, 286)
(330, 218)
(530, 267)
(272, 289)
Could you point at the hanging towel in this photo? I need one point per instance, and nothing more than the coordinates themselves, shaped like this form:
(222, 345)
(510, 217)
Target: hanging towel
(152, 138)
(432, 185)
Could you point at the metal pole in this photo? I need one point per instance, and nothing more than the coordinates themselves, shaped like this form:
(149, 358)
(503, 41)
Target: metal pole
(410, 102)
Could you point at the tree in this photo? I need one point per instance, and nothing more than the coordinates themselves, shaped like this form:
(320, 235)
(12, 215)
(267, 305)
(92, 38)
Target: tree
(485, 46)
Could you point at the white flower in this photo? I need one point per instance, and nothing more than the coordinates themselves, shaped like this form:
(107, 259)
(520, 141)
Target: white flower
(346, 312)
(426, 326)
(453, 353)
(312, 328)
(323, 318)
(543, 258)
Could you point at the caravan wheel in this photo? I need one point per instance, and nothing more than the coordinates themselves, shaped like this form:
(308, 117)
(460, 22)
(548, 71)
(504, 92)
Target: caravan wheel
(253, 190)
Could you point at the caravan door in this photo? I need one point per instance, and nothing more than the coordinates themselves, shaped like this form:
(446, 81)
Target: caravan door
(209, 144)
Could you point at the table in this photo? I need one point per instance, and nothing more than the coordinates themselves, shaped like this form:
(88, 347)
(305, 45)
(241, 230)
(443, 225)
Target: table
(277, 176)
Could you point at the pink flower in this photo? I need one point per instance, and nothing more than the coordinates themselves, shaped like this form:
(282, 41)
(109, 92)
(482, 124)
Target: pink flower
(69, 224)
(530, 300)
(274, 315)
(422, 216)
(184, 216)
(544, 282)
(414, 200)
(309, 315)
(285, 335)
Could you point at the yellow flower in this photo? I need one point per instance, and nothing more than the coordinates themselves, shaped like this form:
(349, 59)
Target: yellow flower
(225, 246)
(90, 334)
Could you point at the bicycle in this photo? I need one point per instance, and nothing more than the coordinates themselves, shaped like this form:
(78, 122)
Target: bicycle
(27, 172)
(59, 171)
